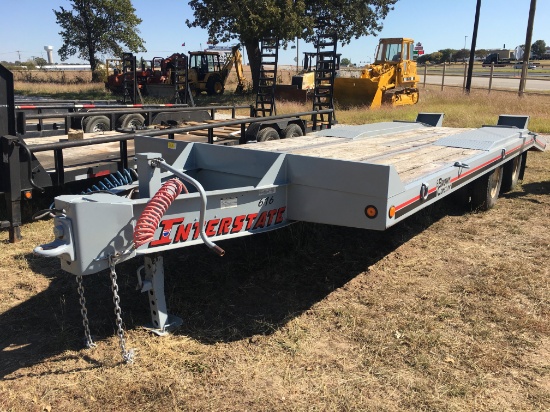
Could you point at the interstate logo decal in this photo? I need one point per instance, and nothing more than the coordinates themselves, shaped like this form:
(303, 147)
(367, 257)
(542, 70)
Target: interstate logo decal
(176, 230)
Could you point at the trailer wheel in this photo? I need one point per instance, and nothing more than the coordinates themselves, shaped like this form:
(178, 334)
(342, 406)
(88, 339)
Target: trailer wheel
(84, 122)
(266, 134)
(485, 190)
(96, 124)
(292, 130)
(131, 121)
(512, 170)
(214, 86)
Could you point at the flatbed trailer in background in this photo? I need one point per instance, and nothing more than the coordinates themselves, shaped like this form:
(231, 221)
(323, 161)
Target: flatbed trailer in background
(367, 176)
(46, 120)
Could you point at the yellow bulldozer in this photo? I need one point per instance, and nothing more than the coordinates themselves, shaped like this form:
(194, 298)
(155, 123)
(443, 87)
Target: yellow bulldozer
(390, 79)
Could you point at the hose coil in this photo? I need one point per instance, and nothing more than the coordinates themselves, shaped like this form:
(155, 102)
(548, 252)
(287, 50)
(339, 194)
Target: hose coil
(150, 218)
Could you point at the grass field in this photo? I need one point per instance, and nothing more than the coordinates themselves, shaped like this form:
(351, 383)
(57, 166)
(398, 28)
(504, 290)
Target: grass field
(447, 311)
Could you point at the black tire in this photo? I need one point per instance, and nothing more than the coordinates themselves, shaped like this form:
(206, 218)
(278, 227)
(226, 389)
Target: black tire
(266, 134)
(292, 130)
(84, 121)
(95, 124)
(460, 198)
(523, 165)
(131, 121)
(485, 190)
(214, 86)
(511, 173)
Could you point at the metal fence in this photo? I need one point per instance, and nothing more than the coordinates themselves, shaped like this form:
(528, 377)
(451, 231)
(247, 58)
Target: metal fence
(489, 78)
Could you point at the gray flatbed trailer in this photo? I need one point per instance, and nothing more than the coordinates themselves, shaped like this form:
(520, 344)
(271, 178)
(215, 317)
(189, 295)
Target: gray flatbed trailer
(368, 176)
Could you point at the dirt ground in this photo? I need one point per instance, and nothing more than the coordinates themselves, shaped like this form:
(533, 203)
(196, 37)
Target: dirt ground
(447, 311)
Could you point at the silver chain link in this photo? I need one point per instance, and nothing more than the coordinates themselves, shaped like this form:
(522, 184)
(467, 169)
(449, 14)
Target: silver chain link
(127, 355)
(89, 342)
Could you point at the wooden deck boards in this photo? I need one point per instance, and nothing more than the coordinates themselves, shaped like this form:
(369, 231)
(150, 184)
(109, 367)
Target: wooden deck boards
(101, 154)
(412, 153)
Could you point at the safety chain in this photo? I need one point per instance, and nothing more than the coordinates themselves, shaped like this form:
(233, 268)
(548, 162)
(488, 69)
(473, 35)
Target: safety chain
(127, 355)
(89, 342)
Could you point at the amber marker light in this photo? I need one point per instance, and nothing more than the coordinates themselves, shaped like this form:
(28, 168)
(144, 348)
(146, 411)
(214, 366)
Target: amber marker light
(391, 212)
(371, 212)
(28, 195)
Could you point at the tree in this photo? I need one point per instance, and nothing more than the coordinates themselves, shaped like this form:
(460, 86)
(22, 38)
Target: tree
(40, 61)
(424, 58)
(250, 20)
(30, 64)
(461, 54)
(447, 55)
(539, 48)
(436, 57)
(98, 26)
(345, 62)
(481, 53)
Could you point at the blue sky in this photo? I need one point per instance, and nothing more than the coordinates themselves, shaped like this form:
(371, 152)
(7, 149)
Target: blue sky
(29, 25)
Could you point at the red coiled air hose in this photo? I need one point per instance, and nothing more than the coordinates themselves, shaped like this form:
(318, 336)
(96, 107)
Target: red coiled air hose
(150, 218)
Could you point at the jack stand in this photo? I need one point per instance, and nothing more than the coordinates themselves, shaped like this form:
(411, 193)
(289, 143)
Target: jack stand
(153, 284)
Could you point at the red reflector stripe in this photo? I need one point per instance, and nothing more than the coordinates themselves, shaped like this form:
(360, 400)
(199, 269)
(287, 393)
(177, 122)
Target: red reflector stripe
(101, 173)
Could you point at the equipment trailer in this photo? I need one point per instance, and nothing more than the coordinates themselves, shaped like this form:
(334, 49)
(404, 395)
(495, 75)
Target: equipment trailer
(367, 176)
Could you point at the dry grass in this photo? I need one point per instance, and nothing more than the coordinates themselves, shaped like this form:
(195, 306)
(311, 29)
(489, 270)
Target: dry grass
(61, 77)
(460, 110)
(447, 311)
(59, 84)
(50, 89)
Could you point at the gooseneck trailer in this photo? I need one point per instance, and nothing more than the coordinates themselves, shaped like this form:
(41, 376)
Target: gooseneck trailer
(365, 176)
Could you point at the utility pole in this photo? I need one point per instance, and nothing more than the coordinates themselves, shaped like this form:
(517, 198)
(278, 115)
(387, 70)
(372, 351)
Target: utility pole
(465, 38)
(473, 49)
(297, 54)
(527, 53)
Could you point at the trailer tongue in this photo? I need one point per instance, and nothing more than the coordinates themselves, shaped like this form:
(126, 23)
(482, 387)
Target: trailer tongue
(367, 176)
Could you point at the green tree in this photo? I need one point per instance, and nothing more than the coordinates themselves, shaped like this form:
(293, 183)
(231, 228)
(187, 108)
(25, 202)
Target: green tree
(481, 53)
(461, 54)
(98, 26)
(250, 20)
(345, 62)
(436, 57)
(40, 61)
(31, 65)
(447, 55)
(424, 58)
(539, 48)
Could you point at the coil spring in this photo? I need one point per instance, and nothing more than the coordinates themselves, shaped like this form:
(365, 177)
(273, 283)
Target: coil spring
(150, 218)
(114, 180)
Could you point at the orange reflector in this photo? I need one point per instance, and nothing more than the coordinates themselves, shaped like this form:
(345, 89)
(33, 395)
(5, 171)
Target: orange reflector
(371, 212)
(27, 194)
(391, 212)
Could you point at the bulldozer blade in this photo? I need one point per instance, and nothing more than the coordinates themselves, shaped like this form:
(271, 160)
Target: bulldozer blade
(349, 91)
